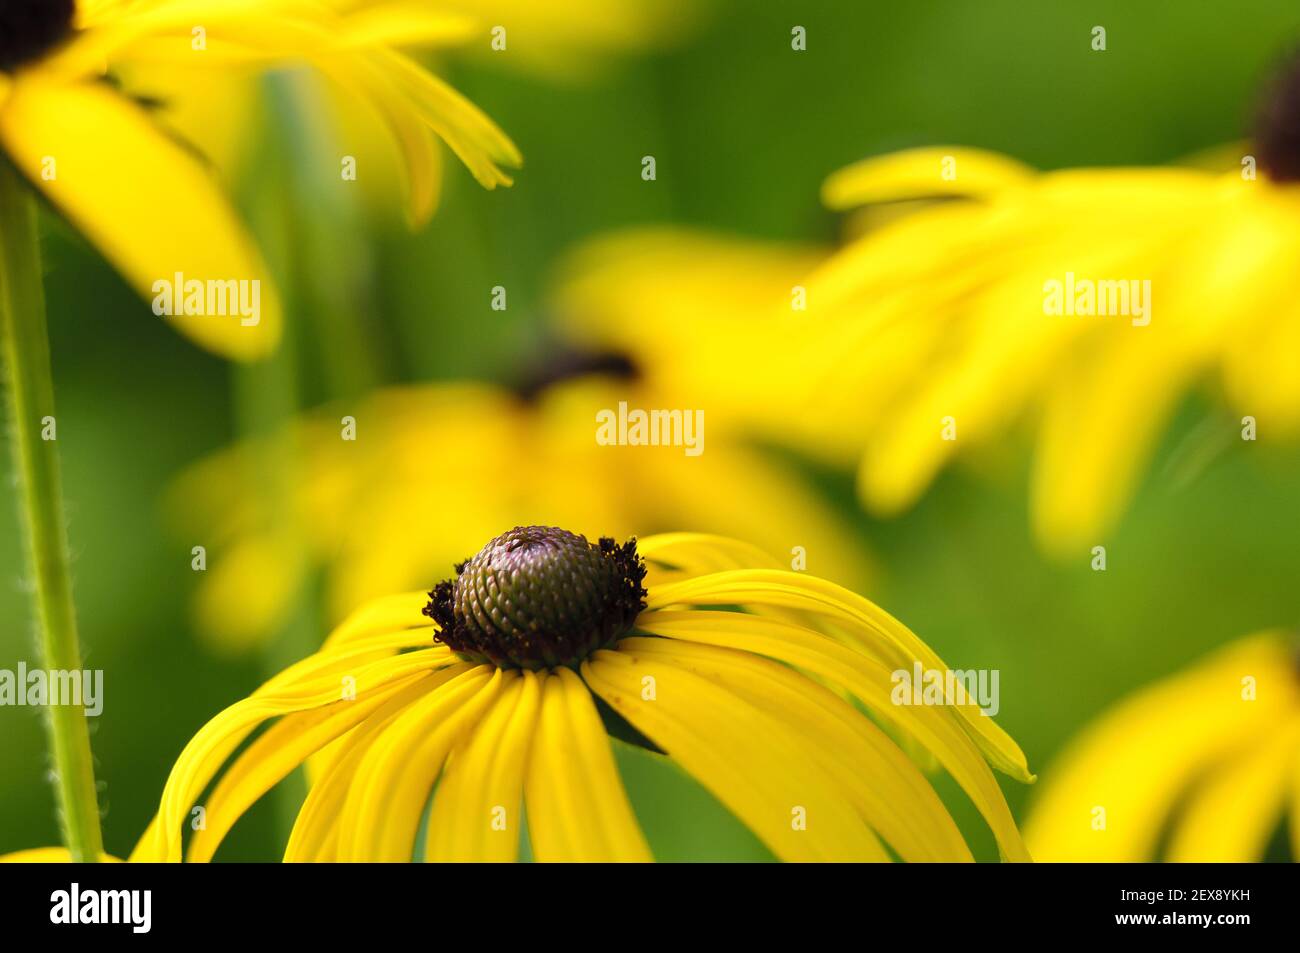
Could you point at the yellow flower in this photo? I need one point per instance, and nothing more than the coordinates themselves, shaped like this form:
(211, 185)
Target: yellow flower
(435, 468)
(727, 318)
(1084, 304)
(1201, 766)
(488, 698)
(144, 200)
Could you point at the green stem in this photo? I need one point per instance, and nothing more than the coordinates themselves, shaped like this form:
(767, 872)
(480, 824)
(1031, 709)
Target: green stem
(30, 388)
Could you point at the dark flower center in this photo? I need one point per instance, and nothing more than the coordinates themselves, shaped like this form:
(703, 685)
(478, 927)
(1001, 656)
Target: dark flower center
(1277, 134)
(30, 27)
(539, 597)
(567, 364)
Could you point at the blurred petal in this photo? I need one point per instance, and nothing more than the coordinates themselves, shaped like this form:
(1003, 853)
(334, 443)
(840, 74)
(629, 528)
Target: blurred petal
(1140, 757)
(917, 173)
(1234, 812)
(145, 202)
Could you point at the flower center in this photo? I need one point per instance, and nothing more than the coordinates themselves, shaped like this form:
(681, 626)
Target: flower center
(30, 27)
(567, 364)
(537, 597)
(1277, 135)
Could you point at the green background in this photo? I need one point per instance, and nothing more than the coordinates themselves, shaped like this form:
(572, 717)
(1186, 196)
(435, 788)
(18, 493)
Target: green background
(743, 131)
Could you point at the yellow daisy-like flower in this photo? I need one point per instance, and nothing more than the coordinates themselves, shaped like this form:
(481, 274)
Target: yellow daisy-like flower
(148, 204)
(483, 694)
(1201, 766)
(730, 326)
(1085, 303)
(392, 507)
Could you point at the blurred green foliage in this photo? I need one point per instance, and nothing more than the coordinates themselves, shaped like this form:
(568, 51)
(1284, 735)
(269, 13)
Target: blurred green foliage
(743, 131)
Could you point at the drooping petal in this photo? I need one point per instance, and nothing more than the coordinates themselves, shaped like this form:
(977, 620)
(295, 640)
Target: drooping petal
(477, 809)
(283, 747)
(393, 781)
(208, 750)
(867, 627)
(315, 831)
(885, 785)
(577, 807)
(148, 205)
(1233, 813)
(939, 729)
(747, 758)
(1115, 787)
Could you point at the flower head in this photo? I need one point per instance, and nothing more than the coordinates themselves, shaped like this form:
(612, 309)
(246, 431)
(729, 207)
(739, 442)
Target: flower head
(1200, 766)
(537, 597)
(391, 510)
(1081, 305)
(759, 703)
(148, 204)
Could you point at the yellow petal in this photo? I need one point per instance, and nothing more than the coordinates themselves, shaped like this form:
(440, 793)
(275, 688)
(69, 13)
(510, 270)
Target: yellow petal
(386, 614)
(884, 783)
(914, 173)
(939, 729)
(866, 627)
(1232, 815)
(747, 758)
(1114, 788)
(315, 831)
(577, 808)
(144, 201)
(208, 750)
(283, 747)
(395, 776)
(477, 810)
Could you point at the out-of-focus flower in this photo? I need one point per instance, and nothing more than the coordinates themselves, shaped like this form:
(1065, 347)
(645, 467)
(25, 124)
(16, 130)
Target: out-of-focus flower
(143, 199)
(1084, 303)
(1201, 766)
(435, 468)
(368, 103)
(490, 696)
(558, 39)
(945, 320)
(711, 318)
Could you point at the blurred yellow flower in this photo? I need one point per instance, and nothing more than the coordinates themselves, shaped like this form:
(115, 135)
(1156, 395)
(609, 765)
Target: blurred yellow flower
(435, 468)
(489, 699)
(143, 199)
(1084, 303)
(730, 328)
(1201, 766)
(564, 38)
